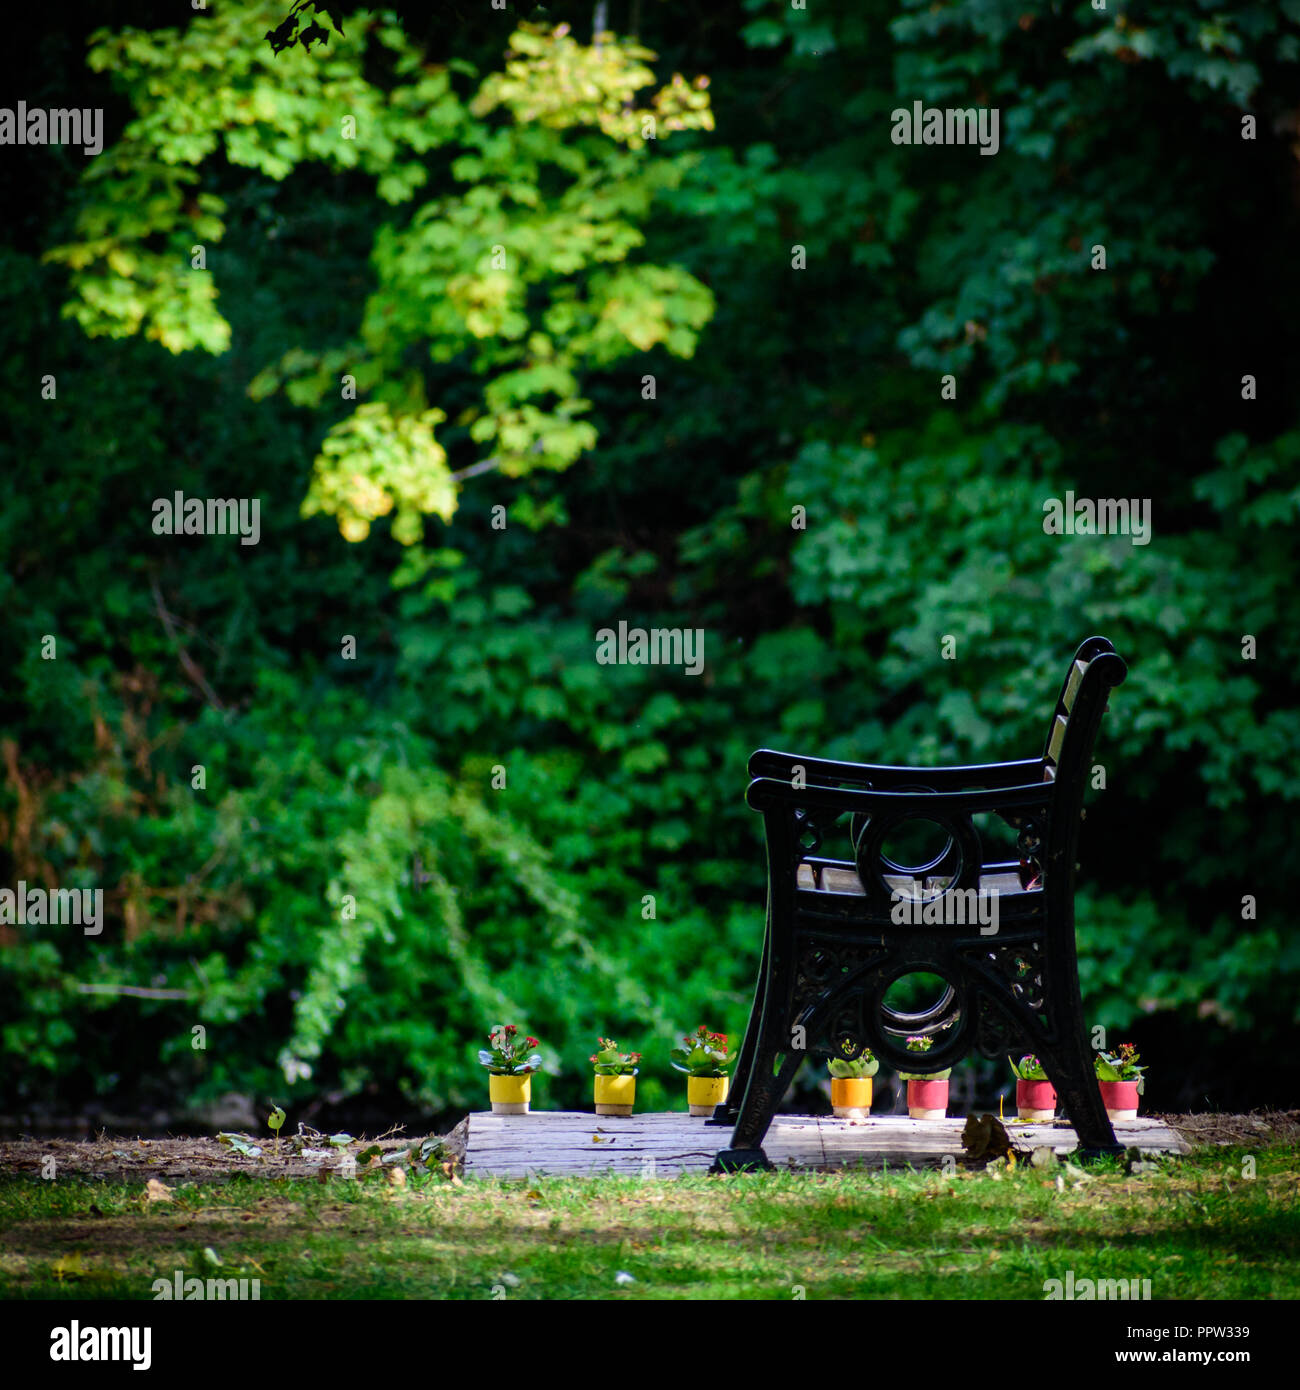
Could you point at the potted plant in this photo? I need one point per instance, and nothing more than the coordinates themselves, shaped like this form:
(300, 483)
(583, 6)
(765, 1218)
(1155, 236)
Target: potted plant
(704, 1058)
(1035, 1094)
(1120, 1079)
(510, 1070)
(927, 1091)
(851, 1085)
(615, 1078)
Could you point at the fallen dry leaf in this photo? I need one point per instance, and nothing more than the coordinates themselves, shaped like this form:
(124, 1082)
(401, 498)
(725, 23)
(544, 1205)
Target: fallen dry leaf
(984, 1138)
(156, 1191)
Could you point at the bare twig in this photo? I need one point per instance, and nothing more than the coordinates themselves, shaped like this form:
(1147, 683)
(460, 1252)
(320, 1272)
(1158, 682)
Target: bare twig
(188, 664)
(475, 469)
(135, 991)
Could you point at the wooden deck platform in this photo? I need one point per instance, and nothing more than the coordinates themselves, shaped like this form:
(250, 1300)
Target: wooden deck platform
(666, 1145)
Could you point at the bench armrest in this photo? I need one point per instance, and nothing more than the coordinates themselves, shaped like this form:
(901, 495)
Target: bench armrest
(765, 792)
(769, 763)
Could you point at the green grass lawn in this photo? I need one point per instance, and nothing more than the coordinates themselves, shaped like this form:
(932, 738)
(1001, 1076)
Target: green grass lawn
(1196, 1228)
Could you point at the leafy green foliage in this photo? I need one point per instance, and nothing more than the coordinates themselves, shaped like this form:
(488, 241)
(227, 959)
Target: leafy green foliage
(520, 276)
(703, 1053)
(506, 1056)
(854, 1068)
(355, 894)
(1120, 1065)
(1029, 1068)
(291, 29)
(276, 1121)
(608, 1060)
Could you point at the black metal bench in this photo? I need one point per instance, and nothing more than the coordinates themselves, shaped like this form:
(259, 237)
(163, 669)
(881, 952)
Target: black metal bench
(834, 944)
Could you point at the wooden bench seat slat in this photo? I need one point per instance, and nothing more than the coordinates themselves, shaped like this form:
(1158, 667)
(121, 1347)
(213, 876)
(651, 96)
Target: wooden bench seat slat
(846, 880)
(1073, 684)
(1058, 737)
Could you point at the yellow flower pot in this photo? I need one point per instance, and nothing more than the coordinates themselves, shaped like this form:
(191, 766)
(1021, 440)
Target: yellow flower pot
(705, 1092)
(851, 1096)
(615, 1095)
(510, 1095)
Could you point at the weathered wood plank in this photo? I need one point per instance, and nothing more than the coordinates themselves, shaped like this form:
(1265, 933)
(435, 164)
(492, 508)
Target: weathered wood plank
(666, 1145)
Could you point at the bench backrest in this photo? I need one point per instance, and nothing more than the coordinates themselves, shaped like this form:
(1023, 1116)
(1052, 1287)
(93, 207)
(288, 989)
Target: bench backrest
(1095, 670)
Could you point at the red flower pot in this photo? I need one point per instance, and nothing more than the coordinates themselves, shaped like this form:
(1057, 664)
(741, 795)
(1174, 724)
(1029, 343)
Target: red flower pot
(927, 1100)
(1120, 1099)
(1036, 1100)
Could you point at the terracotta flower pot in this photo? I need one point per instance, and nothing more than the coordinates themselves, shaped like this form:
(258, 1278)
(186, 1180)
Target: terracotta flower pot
(615, 1095)
(510, 1095)
(705, 1092)
(1036, 1100)
(851, 1097)
(1120, 1099)
(927, 1100)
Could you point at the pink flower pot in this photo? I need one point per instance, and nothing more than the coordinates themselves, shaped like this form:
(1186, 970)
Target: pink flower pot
(1036, 1100)
(1120, 1099)
(927, 1100)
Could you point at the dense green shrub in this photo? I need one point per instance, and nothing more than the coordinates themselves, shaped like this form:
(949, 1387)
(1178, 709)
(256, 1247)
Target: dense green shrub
(370, 782)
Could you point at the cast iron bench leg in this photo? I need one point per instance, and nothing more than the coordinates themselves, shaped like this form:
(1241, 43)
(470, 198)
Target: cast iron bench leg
(768, 1083)
(1070, 1069)
(762, 1096)
(727, 1110)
